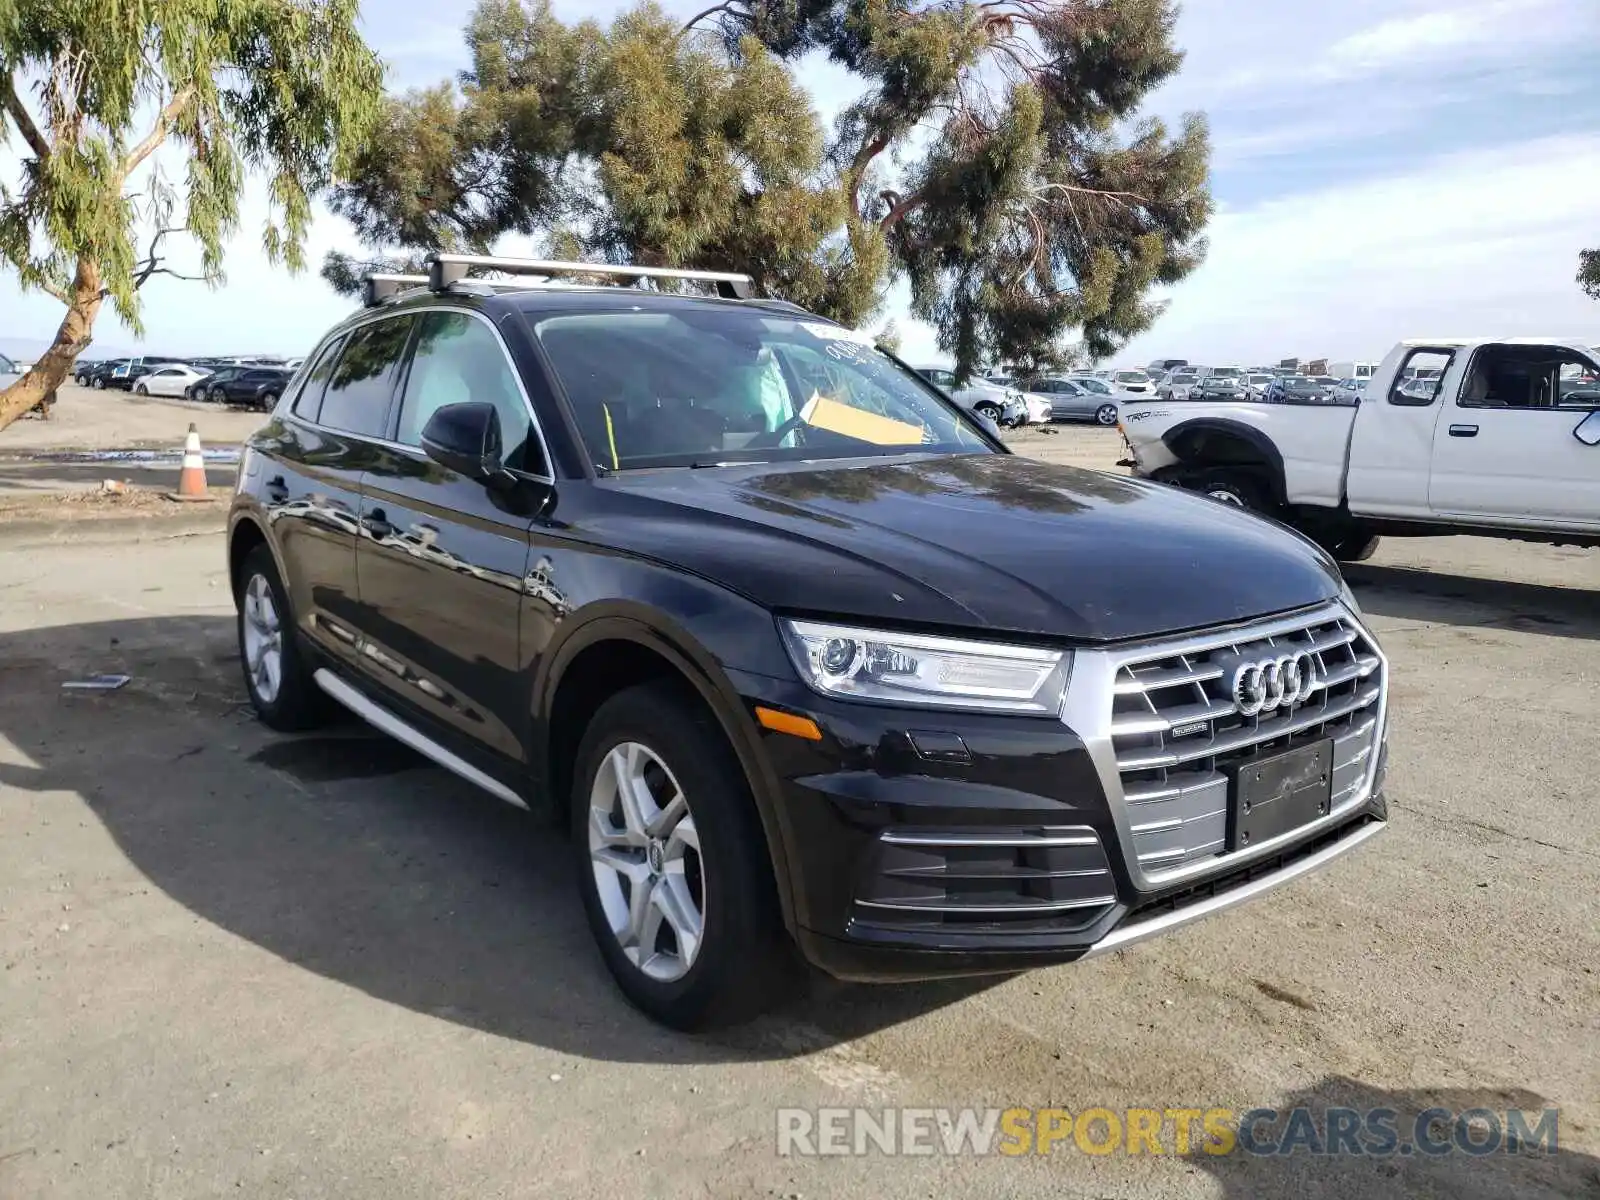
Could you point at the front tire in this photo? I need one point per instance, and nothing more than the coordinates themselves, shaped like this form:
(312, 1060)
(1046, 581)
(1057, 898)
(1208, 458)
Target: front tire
(1352, 548)
(989, 411)
(277, 674)
(98, 384)
(673, 863)
(267, 401)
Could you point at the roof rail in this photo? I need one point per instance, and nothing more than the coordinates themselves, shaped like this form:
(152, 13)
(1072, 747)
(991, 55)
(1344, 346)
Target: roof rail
(381, 287)
(447, 269)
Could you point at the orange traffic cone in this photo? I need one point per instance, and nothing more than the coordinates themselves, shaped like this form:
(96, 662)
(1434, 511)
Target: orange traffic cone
(192, 480)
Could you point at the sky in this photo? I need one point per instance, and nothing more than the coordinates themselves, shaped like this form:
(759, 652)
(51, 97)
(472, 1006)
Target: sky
(1381, 169)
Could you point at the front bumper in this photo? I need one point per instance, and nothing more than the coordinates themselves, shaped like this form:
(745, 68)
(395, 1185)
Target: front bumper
(921, 844)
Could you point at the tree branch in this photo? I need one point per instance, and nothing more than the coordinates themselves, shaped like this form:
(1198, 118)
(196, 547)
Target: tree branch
(726, 6)
(19, 114)
(858, 168)
(901, 207)
(158, 131)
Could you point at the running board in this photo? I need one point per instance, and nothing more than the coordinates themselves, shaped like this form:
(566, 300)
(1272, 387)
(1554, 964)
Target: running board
(385, 721)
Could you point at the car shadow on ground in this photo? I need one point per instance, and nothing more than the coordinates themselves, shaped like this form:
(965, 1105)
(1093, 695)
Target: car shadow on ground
(1486, 1171)
(350, 856)
(1408, 593)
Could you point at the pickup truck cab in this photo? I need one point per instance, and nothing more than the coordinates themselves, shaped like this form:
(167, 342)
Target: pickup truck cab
(1451, 435)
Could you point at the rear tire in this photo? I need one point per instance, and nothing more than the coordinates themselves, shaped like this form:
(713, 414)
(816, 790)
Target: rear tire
(141, 389)
(277, 672)
(1235, 488)
(1106, 414)
(706, 869)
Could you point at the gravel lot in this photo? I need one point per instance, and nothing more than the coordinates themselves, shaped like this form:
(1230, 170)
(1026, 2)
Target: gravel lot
(237, 963)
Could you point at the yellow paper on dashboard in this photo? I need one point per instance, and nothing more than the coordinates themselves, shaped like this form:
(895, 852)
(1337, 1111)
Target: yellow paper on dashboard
(823, 413)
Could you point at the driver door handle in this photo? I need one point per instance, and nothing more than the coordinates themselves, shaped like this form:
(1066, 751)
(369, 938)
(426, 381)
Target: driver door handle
(1463, 431)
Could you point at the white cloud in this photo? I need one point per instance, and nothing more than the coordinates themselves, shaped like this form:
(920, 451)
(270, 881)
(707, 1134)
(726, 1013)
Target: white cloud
(1465, 243)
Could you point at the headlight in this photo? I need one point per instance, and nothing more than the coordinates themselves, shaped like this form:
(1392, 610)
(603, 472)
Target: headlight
(1349, 599)
(903, 668)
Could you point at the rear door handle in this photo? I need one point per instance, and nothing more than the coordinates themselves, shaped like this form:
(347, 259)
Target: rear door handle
(1463, 431)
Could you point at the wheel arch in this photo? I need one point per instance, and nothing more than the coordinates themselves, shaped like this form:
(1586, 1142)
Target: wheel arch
(244, 535)
(622, 648)
(1219, 442)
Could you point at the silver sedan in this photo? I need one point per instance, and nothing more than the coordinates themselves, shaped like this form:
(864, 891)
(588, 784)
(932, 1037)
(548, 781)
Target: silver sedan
(1075, 399)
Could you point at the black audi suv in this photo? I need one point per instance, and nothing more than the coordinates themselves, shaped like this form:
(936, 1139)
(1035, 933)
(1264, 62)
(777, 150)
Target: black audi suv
(810, 664)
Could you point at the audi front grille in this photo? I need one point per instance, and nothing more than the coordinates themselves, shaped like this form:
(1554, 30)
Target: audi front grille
(1181, 716)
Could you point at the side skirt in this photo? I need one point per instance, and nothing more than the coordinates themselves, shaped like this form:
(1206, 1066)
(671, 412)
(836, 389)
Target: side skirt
(382, 719)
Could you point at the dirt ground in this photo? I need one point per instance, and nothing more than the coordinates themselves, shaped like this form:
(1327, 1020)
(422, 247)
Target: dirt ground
(246, 964)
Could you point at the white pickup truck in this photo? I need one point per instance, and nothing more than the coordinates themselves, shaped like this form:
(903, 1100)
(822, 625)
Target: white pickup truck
(1450, 435)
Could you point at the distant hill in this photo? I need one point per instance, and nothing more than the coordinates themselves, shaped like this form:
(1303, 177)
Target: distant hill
(28, 349)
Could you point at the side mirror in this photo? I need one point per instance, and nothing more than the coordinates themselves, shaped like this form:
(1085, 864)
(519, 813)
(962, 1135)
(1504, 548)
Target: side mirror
(1588, 430)
(466, 439)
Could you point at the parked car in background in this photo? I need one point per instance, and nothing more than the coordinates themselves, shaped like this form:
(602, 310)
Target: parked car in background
(1256, 383)
(1218, 387)
(96, 375)
(201, 389)
(247, 387)
(869, 693)
(1351, 389)
(170, 379)
(1161, 366)
(1004, 406)
(1069, 400)
(1176, 384)
(126, 376)
(1300, 389)
(1132, 380)
(1098, 384)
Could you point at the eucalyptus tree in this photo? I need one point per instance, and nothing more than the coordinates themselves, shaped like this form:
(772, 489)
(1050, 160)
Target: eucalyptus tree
(140, 123)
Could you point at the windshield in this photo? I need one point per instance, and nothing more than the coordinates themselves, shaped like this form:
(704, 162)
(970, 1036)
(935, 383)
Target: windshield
(1302, 385)
(704, 386)
(1227, 373)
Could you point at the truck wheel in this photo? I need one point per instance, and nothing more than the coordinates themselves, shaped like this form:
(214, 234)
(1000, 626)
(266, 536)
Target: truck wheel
(1352, 548)
(1235, 488)
(673, 864)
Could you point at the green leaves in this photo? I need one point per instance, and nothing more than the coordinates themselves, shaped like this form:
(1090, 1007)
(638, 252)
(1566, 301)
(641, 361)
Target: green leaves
(103, 92)
(1589, 272)
(995, 158)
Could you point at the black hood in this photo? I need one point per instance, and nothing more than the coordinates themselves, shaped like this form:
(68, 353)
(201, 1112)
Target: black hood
(980, 542)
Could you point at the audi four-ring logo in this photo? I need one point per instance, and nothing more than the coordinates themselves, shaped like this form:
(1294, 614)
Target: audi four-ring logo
(1262, 684)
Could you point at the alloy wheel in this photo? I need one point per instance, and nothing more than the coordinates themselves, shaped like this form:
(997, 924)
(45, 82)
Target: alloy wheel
(1106, 414)
(1226, 495)
(263, 639)
(645, 853)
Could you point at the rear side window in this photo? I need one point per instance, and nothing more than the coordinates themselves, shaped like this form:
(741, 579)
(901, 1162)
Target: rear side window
(1420, 378)
(357, 396)
(308, 405)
